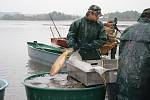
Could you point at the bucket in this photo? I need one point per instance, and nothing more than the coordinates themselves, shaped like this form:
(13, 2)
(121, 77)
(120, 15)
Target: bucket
(3, 85)
(40, 93)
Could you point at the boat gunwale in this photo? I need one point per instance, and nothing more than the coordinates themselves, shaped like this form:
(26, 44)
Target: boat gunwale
(6, 84)
(38, 49)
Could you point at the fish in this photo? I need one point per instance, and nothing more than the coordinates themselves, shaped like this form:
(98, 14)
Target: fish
(107, 47)
(59, 63)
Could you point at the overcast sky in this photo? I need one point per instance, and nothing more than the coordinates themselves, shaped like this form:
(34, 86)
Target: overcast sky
(76, 7)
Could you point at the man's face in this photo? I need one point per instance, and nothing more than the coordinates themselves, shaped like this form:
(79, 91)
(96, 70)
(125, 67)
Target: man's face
(110, 25)
(93, 16)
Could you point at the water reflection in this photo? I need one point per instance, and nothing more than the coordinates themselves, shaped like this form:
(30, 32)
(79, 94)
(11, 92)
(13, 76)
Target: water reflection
(35, 67)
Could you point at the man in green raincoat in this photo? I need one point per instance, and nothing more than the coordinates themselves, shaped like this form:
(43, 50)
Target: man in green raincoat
(134, 61)
(87, 35)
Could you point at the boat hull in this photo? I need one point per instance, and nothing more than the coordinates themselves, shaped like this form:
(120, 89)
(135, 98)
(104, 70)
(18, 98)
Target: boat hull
(42, 56)
(42, 53)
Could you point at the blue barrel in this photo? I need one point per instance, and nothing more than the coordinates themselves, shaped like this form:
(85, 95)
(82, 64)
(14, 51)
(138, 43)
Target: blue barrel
(3, 85)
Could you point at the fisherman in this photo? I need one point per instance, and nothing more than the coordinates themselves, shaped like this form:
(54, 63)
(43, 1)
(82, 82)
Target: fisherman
(110, 31)
(87, 35)
(134, 61)
(115, 25)
(85, 38)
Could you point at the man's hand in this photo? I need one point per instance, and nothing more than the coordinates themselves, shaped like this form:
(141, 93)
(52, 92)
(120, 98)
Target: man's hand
(69, 51)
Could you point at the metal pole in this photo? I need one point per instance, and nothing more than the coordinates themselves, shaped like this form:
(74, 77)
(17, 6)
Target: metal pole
(52, 32)
(55, 25)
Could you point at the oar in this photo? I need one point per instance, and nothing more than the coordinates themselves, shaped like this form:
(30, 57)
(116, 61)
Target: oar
(54, 25)
(52, 32)
(59, 63)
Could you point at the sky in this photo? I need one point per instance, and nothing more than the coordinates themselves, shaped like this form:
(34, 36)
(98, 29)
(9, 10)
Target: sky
(74, 7)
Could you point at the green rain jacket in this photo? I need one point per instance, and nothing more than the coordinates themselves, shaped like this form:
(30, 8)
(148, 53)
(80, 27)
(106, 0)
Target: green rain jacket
(87, 37)
(134, 62)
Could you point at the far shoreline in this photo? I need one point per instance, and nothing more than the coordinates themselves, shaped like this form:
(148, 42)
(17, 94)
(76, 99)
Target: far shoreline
(58, 20)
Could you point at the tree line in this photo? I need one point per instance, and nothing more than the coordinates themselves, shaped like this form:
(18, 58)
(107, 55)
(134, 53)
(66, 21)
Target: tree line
(124, 16)
(127, 16)
(55, 15)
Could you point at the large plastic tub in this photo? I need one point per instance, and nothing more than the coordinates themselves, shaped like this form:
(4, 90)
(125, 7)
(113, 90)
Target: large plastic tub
(3, 85)
(88, 93)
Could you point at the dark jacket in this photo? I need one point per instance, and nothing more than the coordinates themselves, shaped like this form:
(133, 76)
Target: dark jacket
(86, 36)
(134, 63)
